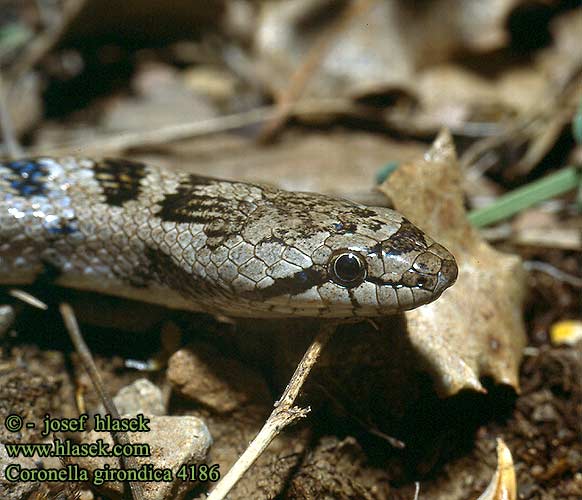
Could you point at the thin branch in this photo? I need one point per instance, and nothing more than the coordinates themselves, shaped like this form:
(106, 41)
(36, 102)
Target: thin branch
(416, 490)
(554, 272)
(27, 298)
(369, 427)
(87, 360)
(526, 129)
(183, 131)
(7, 127)
(283, 414)
(166, 134)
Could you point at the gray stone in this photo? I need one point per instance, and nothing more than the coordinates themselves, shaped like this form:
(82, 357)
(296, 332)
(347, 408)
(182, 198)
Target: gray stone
(15, 490)
(142, 396)
(6, 318)
(173, 442)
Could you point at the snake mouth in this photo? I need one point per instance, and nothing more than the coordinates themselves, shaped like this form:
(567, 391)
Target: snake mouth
(421, 282)
(381, 282)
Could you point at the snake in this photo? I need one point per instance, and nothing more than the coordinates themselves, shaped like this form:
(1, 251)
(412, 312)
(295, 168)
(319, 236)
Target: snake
(229, 248)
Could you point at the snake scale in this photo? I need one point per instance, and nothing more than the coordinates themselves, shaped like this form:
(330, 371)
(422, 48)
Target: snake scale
(191, 242)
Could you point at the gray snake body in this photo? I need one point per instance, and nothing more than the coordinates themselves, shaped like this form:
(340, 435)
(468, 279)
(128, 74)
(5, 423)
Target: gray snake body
(203, 244)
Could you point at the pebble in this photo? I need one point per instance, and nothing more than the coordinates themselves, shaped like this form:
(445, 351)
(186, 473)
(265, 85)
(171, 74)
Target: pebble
(142, 396)
(173, 442)
(201, 373)
(15, 490)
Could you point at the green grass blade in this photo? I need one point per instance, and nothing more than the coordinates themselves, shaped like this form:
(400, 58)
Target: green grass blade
(519, 199)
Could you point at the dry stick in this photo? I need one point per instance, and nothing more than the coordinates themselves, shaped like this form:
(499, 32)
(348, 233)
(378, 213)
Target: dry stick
(416, 490)
(169, 133)
(564, 97)
(283, 415)
(303, 74)
(27, 298)
(7, 127)
(183, 131)
(554, 272)
(83, 350)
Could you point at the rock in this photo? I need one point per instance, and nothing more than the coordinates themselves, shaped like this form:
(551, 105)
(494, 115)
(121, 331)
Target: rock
(142, 396)
(545, 413)
(15, 490)
(6, 319)
(18, 490)
(201, 373)
(172, 441)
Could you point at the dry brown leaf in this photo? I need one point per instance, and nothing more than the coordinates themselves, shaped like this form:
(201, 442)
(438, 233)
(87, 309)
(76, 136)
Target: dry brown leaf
(565, 56)
(391, 34)
(357, 58)
(476, 328)
(502, 485)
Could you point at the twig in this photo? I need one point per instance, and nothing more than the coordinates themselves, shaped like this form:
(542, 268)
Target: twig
(44, 42)
(169, 133)
(27, 298)
(522, 130)
(300, 78)
(554, 272)
(369, 427)
(283, 414)
(7, 127)
(416, 490)
(87, 359)
(174, 133)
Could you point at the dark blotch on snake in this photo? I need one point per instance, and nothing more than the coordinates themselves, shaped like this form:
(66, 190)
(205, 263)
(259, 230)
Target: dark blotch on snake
(407, 239)
(300, 282)
(119, 180)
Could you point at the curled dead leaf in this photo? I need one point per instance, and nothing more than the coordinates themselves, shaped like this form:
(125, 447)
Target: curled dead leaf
(476, 328)
(502, 485)
(387, 34)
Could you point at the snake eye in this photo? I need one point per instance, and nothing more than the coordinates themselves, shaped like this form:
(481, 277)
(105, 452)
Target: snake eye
(348, 269)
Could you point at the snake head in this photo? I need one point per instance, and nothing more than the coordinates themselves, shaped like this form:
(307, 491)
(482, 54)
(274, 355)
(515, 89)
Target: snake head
(253, 250)
(403, 270)
(333, 258)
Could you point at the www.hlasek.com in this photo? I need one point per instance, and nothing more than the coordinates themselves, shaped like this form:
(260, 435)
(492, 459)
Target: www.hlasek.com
(100, 448)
